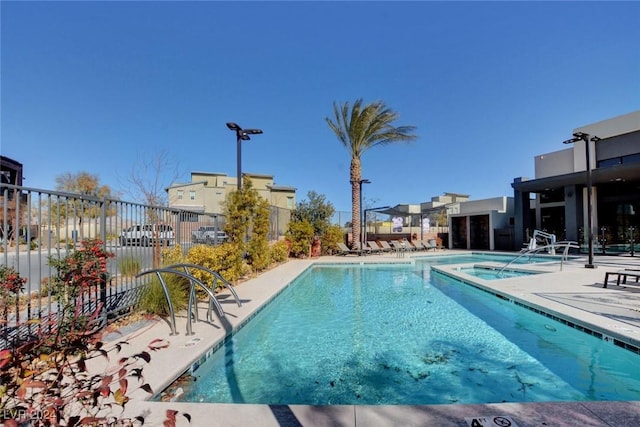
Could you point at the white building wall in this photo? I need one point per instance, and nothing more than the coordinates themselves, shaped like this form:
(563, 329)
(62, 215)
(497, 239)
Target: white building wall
(500, 204)
(557, 163)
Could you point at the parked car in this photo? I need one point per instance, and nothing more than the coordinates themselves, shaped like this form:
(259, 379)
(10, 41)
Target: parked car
(208, 234)
(146, 234)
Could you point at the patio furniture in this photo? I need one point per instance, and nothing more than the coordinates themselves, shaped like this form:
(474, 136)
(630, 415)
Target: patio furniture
(422, 245)
(374, 248)
(432, 244)
(621, 276)
(345, 250)
(385, 246)
(364, 249)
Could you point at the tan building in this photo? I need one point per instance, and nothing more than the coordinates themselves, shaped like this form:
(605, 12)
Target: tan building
(207, 192)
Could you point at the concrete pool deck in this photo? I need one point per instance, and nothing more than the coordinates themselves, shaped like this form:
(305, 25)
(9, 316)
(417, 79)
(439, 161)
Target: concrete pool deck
(575, 293)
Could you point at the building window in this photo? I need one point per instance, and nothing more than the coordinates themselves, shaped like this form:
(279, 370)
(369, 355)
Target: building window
(290, 202)
(192, 195)
(630, 158)
(180, 194)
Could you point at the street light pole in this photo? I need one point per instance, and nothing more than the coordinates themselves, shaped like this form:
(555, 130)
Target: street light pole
(241, 135)
(581, 136)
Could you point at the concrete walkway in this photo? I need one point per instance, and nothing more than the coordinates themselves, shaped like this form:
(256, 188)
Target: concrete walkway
(575, 293)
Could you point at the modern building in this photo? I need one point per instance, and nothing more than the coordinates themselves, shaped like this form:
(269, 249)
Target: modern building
(603, 156)
(207, 192)
(10, 171)
(485, 224)
(12, 213)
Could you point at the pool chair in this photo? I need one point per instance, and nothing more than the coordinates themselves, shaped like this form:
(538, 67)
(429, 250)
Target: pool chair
(398, 246)
(403, 244)
(431, 244)
(385, 246)
(364, 249)
(344, 250)
(374, 248)
(419, 245)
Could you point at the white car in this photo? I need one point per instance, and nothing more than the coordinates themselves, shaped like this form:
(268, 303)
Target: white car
(208, 234)
(146, 234)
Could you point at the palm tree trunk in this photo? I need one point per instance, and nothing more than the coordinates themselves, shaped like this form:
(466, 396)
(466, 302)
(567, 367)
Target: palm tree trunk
(355, 177)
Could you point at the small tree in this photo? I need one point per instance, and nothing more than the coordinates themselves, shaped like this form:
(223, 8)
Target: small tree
(258, 245)
(83, 184)
(248, 224)
(316, 211)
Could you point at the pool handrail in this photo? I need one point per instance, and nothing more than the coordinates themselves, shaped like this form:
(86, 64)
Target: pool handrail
(194, 281)
(565, 244)
(215, 275)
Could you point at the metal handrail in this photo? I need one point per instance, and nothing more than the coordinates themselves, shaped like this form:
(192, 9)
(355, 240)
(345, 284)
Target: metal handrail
(565, 244)
(193, 281)
(215, 275)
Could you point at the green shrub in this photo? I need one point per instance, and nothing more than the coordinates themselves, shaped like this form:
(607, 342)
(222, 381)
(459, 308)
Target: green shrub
(300, 235)
(172, 255)
(129, 265)
(279, 251)
(226, 259)
(153, 300)
(332, 235)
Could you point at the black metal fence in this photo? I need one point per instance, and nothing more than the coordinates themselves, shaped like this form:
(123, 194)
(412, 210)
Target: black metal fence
(37, 225)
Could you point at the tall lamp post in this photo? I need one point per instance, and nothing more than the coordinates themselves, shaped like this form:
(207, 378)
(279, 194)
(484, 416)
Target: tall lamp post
(241, 135)
(581, 136)
(362, 181)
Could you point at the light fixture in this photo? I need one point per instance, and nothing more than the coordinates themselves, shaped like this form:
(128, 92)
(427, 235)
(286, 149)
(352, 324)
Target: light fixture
(241, 135)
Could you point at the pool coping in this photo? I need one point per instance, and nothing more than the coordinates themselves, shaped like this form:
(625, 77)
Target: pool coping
(256, 292)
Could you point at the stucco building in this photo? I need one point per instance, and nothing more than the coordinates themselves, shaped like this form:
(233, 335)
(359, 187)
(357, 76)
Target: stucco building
(556, 199)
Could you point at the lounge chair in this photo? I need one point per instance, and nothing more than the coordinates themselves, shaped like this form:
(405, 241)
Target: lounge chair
(364, 249)
(344, 250)
(419, 245)
(431, 244)
(401, 246)
(385, 246)
(374, 248)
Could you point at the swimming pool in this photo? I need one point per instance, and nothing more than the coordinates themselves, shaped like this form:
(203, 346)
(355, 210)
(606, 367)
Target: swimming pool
(493, 273)
(397, 334)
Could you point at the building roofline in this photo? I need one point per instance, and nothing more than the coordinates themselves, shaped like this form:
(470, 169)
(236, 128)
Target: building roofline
(281, 188)
(623, 172)
(208, 173)
(187, 184)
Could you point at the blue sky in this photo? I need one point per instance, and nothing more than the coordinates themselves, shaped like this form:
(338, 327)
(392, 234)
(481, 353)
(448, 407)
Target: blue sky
(92, 86)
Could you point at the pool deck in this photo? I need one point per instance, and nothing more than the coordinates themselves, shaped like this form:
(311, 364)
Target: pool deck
(575, 293)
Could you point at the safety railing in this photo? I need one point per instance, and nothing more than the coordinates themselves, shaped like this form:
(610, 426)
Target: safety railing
(213, 302)
(565, 246)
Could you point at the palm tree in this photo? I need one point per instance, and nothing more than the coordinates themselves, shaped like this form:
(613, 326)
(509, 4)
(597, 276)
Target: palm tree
(359, 128)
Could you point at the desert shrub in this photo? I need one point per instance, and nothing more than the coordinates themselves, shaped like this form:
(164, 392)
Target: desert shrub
(44, 378)
(11, 285)
(300, 234)
(172, 255)
(332, 235)
(226, 259)
(153, 300)
(129, 265)
(279, 251)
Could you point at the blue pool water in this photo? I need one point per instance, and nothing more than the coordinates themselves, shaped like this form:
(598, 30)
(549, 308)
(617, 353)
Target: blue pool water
(493, 273)
(391, 334)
